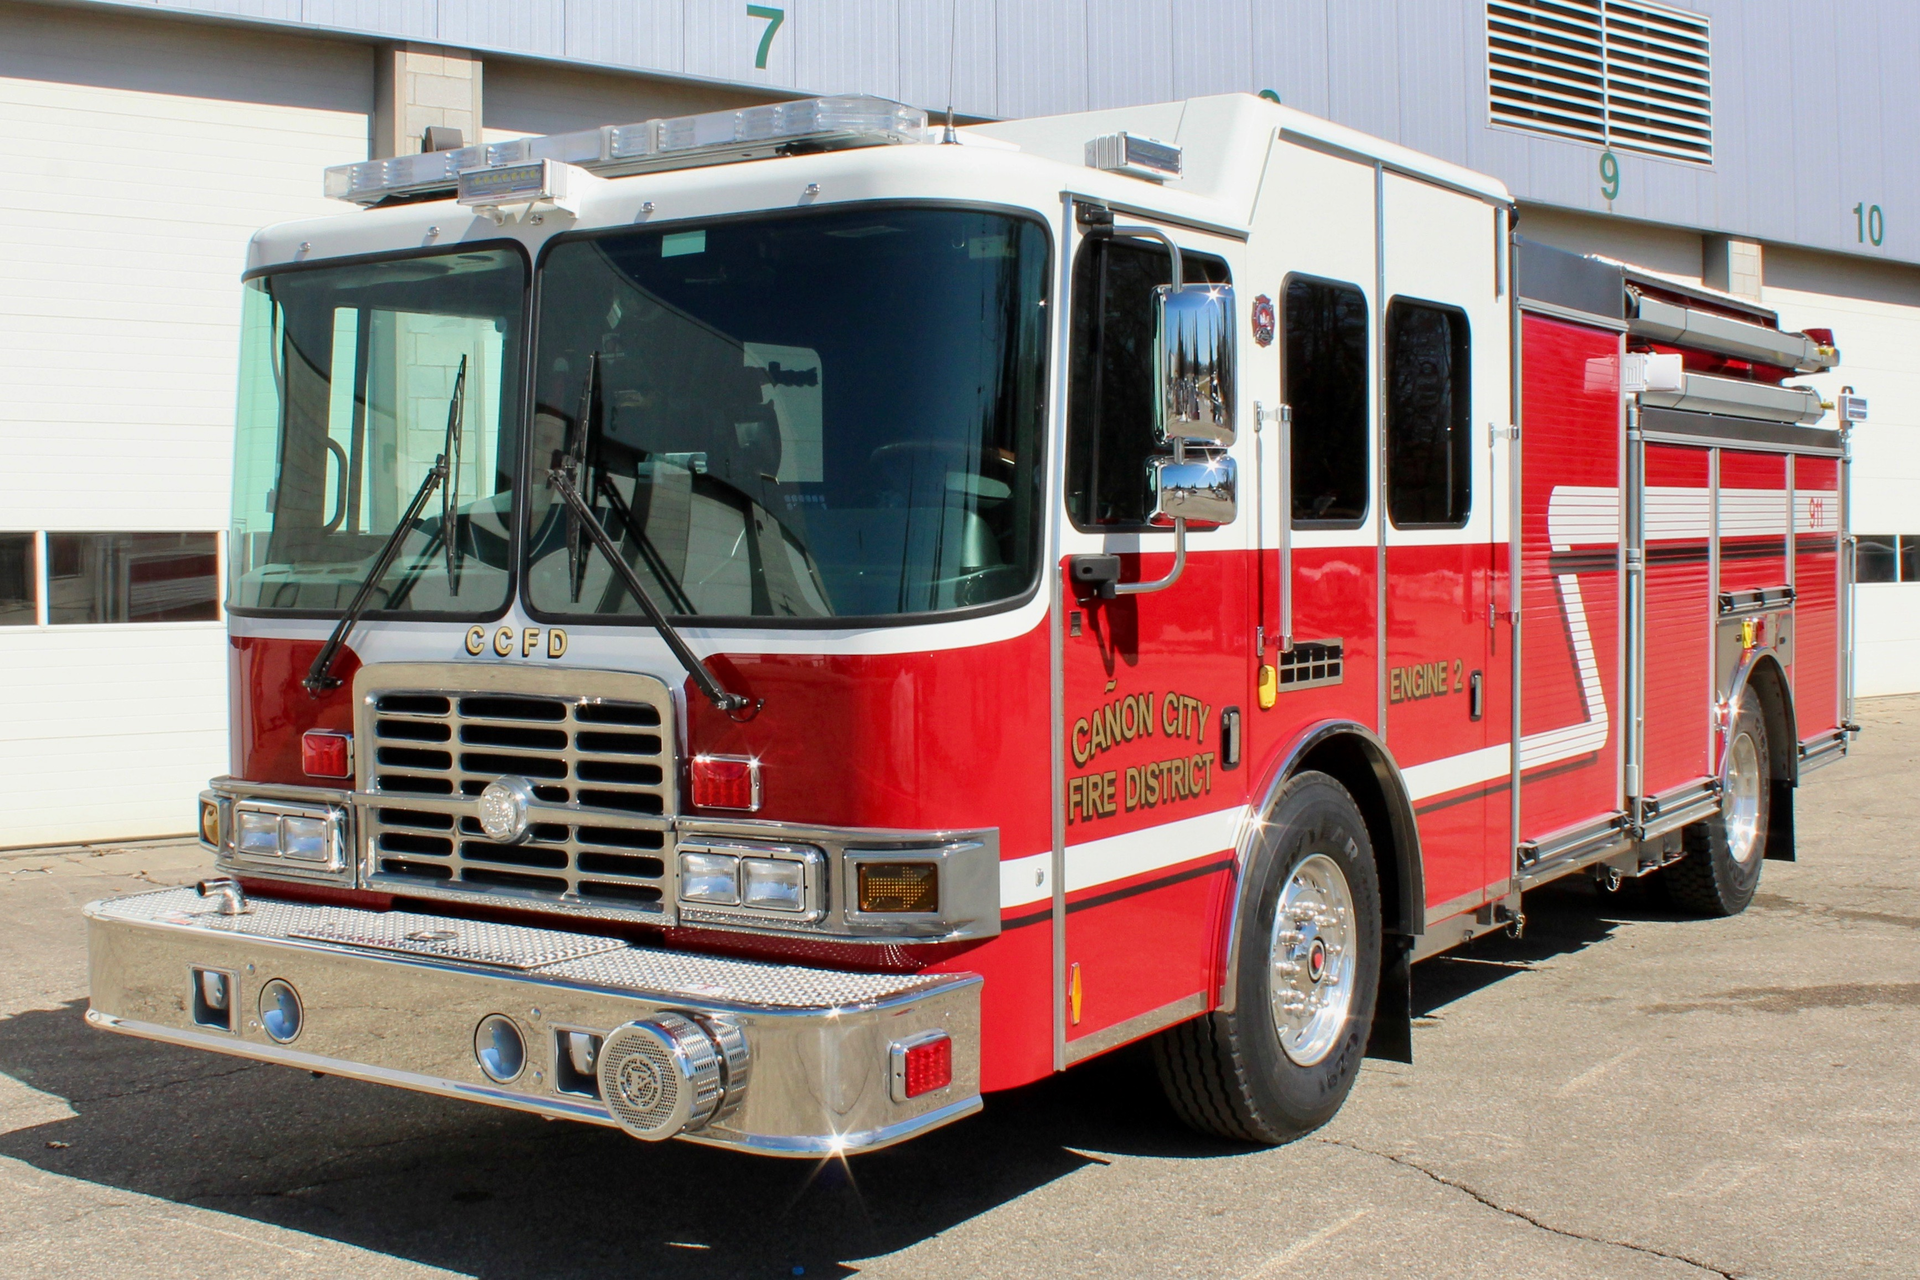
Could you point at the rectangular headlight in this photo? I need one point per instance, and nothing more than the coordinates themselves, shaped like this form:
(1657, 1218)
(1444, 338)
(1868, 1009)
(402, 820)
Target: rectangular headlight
(710, 877)
(257, 835)
(304, 839)
(774, 884)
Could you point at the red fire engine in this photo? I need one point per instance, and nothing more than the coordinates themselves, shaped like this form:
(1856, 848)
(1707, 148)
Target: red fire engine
(765, 627)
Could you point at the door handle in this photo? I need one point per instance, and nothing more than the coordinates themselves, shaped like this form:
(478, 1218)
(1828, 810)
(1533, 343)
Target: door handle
(1476, 697)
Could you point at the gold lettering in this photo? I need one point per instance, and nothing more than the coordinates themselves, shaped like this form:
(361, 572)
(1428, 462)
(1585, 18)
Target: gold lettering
(556, 643)
(529, 641)
(1146, 715)
(503, 641)
(1205, 707)
(1129, 720)
(1133, 788)
(1107, 791)
(1170, 715)
(1100, 740)
(476, 640)
(1082, 753)
(1110, 715)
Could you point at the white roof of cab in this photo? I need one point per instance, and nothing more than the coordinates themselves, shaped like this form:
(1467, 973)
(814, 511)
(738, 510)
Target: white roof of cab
(1224, 141)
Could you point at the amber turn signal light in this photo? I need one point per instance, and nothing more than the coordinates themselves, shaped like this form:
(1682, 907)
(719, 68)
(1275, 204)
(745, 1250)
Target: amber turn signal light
(899, 886)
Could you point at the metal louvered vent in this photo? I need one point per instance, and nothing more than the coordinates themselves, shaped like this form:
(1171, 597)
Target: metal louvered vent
(1619, 73)
(600, 770)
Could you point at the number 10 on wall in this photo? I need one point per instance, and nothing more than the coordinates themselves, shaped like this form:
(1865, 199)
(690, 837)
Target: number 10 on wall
(1869, 224)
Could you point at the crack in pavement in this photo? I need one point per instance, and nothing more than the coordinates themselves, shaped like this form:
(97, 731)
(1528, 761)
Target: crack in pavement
(77, 1099)
(1522, 1214)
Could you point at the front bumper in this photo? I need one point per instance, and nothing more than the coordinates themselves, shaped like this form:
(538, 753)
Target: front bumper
(397, 997)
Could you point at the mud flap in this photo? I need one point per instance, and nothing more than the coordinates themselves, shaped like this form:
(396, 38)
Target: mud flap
(1392, 1034)
(1779, 822)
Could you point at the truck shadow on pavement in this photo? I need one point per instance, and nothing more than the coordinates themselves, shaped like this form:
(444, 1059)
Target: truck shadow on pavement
(495, 1193)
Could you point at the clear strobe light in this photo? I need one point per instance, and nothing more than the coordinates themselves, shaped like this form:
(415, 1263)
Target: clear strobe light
(672, 142)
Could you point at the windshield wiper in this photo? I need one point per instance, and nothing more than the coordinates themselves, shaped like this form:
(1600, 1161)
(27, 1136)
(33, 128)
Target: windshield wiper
(450, 496)
(580, 518)
(445, 470)
(320, 676)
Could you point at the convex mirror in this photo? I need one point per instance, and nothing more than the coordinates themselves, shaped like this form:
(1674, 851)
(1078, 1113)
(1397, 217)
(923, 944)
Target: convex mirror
(1199, 490)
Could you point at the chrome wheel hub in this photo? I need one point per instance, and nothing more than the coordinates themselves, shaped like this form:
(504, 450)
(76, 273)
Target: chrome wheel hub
(1741, 802)
(1311, 959)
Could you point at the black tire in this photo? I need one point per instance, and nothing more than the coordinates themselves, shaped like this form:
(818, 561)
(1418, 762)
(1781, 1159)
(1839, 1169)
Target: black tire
(1227, 1073)
(1712, 879)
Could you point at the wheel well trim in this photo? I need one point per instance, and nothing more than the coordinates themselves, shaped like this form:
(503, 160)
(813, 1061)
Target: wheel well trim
(1406, 836)
(1750, 664)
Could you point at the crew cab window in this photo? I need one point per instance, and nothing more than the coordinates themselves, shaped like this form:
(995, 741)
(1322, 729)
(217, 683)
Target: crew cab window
(1429, 446)
(1110, 406)
(1326, 388)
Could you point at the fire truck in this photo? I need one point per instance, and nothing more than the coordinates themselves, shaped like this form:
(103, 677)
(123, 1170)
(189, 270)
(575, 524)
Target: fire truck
(768, 626)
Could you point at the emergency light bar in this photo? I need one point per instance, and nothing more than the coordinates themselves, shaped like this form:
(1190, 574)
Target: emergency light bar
(611, 150)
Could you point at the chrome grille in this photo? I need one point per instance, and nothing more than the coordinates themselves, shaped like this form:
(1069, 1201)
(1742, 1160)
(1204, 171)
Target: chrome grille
(596, 748)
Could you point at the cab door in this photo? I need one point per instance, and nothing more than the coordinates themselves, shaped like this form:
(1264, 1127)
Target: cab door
(1152, 685)
(1444, 399)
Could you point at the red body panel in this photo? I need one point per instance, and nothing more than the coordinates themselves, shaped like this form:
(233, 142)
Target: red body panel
(1680, 620)
(1753, 522)
(1816, 612)
(1570, 575)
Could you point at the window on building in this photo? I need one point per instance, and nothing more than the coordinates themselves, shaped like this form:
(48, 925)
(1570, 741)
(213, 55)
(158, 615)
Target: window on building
(19, 580)
(1110, 408)
(1616, 73)
(1876, 558)
(1326, 389)
(1909, 558)
(132, 577)
(1429, 399)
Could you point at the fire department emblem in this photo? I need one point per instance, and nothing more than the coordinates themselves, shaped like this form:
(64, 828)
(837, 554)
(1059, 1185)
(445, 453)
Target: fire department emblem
(1263, 320)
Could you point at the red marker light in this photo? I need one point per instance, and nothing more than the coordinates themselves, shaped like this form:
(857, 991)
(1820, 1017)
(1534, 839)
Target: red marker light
(326, 755)
(922, 1067)
(726, 782)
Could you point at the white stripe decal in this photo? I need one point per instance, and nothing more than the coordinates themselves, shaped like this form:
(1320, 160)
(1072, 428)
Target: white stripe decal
(1121, 857)
(1437, 777)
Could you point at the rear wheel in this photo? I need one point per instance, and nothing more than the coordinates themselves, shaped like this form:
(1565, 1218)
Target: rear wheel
(1306, 977)
(1721, 869)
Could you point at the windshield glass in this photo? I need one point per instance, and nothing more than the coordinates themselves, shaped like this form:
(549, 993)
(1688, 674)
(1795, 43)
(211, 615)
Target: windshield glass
(825, 414)
(349, 377)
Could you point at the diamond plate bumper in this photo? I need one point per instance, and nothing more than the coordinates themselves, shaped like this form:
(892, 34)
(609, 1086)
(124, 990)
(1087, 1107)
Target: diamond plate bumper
(395, 998)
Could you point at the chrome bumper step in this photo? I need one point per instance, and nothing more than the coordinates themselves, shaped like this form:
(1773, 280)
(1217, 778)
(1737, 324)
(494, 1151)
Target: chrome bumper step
(397, 998)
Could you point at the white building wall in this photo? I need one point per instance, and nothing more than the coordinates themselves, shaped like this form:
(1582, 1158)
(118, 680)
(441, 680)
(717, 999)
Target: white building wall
(142, 154)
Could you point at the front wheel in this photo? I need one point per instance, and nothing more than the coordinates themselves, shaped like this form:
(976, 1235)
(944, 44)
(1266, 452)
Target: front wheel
(1721, 867)
(1307, 974)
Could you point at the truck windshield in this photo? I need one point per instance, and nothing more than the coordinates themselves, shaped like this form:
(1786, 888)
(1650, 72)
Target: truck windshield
(347, 381)
(826, 414)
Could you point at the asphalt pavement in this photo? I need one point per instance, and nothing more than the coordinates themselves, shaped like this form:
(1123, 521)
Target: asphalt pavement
(1623, 1092)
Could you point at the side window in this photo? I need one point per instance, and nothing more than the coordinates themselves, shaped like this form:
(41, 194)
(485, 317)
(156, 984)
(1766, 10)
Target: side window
(1326, 381)
(1429, 445)
(1110, 405)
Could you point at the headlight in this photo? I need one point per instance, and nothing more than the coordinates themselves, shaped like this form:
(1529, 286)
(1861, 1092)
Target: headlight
(304, 838)
(258, 833)
(311, 836)
(743, 882)
(774, 884)
(710, 877)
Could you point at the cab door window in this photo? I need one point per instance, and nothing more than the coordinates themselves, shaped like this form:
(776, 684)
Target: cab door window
(1429, 452)
(1326, 380)
(1110, 440)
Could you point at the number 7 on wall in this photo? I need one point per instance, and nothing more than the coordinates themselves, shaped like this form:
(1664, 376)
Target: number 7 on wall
(773, 19)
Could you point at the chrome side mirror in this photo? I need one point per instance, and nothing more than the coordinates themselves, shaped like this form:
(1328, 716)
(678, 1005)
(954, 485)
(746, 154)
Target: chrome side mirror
(1193, 364)
(1201, 490)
